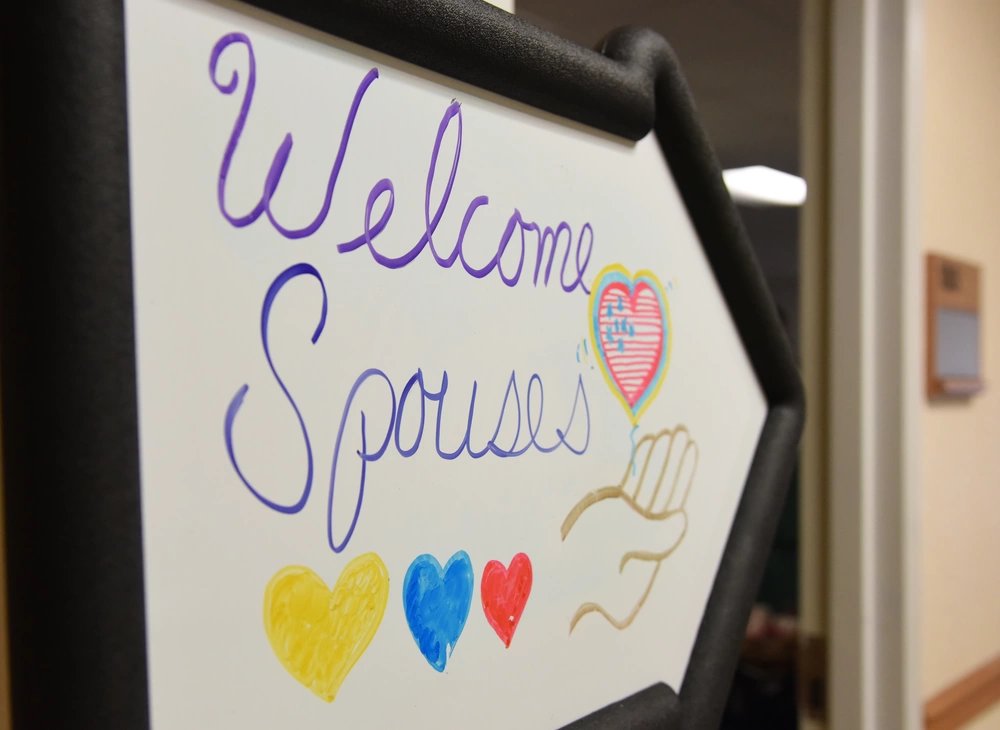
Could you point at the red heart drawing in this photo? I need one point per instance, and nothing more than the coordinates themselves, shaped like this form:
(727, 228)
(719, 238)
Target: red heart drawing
(505, 592)
(630, 331)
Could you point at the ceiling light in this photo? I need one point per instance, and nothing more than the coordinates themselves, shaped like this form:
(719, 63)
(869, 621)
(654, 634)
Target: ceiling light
(763, 186)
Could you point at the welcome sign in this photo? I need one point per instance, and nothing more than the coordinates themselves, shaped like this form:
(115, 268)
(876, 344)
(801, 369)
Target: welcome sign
(444, 413)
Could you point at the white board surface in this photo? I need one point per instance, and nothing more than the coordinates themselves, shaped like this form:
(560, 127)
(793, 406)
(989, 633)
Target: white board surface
(220, 528)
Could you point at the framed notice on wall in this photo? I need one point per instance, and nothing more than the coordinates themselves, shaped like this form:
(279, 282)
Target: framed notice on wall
(374, 365)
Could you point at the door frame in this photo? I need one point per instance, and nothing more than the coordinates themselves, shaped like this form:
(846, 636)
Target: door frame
(863, 354)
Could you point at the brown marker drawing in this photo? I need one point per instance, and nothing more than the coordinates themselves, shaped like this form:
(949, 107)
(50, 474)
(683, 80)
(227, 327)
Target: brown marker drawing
(649, 500)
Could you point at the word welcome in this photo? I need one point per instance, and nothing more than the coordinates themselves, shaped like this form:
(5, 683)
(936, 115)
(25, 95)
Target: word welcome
(415, 393)
(382, 195)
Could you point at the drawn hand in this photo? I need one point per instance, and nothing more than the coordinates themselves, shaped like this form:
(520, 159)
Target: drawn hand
(655, 488)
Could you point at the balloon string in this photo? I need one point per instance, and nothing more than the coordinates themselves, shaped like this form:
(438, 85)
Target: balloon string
(631, 438)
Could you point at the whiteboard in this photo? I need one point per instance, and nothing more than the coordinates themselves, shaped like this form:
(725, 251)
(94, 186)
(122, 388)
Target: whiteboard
(335, 530)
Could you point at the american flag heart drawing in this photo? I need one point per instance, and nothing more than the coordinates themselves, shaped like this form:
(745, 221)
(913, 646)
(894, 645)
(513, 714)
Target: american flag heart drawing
(630, 332)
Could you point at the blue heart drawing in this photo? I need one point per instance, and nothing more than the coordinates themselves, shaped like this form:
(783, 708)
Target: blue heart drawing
(436, 601)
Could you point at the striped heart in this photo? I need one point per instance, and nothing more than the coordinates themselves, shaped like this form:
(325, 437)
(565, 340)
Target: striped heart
(630, 332)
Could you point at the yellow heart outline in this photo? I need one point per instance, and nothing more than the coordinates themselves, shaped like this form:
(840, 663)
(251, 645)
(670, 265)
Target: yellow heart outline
(319, 634)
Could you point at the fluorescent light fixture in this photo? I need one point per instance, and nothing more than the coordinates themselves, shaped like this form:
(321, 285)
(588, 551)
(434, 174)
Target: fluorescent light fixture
(762, 186)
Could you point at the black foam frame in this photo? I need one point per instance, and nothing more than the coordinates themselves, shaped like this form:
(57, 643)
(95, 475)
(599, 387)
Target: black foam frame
(67, 353)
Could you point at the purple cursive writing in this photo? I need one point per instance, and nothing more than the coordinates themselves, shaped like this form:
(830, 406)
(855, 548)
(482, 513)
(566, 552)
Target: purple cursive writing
(518, 236)
(355, 437)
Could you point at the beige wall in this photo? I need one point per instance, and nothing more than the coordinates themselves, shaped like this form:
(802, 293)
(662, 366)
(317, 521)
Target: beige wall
(989, 720)
(961, 458)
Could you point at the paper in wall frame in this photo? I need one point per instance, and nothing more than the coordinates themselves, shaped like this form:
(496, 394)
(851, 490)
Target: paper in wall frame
(454, 393)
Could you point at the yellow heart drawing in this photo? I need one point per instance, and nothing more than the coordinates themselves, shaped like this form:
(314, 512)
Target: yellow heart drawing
(319, 634)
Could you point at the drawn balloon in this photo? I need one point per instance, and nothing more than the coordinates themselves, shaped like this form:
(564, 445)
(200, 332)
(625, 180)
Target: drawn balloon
(630, 334)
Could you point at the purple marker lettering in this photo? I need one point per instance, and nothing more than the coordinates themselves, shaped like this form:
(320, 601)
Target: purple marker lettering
(284, 149)
(362, 453)
(237, 401)
(511, 385)
(514, 222)
(415, 386)
(416, 379)
(581, 267)
(546, 237)
(454, 110)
